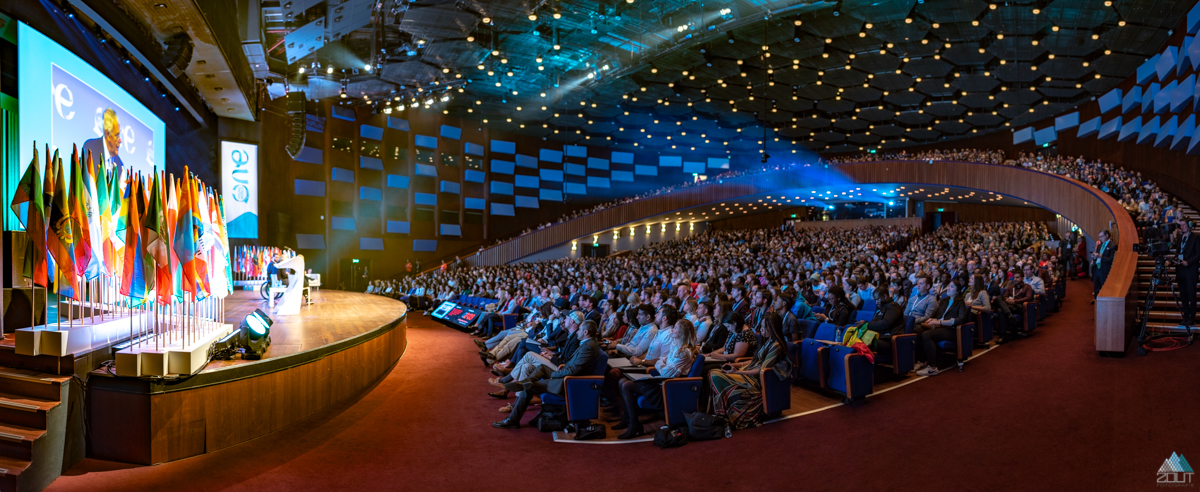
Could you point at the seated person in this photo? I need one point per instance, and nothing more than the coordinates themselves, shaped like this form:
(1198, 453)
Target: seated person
(664, 320)
(791, 325)
(950, 312)
(887, 321)
(1035, 282)
(977, 297)
(704, 321)
(841, 311)
(640, 342)
(736, 388)
(485, 323)
(740, 342)
(1011, 304)
(548, 357)
(675, 361)
(503, 344)
(545, 379)
(922, 302)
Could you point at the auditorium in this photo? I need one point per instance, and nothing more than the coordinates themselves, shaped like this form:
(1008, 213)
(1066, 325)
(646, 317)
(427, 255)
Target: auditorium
(279, 245)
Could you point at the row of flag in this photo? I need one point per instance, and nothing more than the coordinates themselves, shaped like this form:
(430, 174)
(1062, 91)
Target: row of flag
(252, 261)
(163, 238)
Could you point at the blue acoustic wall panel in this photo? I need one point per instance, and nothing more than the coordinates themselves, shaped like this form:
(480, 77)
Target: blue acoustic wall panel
(597, 182)
(1185, 61)
(369, 193)
(550, 175)
(1110, 100)
(397, 123)
(502, 167)
(694, 167)
(370, 163)
(574, 169)
(1132, 99)
(370, 243)
(501, 188)
(670, 161)
(343, 175)
(574, 189)
(1148, 132)
(1045, 136)
(311, 156)
(528, 161)
(1089, 128)
(1166, 131)
(397, 227)
(622, 176)
(451, 230)
(473, 176)
(1183, 133)
(449, 187)
(521, 181)
(1167, 61)
(310, 241)
(504, 209)
(451, 132)
(1181, 97)
(718, 163)
(1193, 53)
(425, 199)
(521, 201)
(425, 141)
(1066, 121)
(575, 150)
(622, 157)
(1148, 97)
(1145, 72)
(473, 149)
(342, 223)
(597, 163)
(371, 132)
(341, 113)
(397, 181)
(306, 187)
(1193, 147)
(474, 203)
(551, 195)
(641, 170)
(1130, 129)
(1193, 20)
(424, 244)
(1109, 128)
(426, 170)
(549, 155)
(502, 147)
(1023, 135)
(1162, 100)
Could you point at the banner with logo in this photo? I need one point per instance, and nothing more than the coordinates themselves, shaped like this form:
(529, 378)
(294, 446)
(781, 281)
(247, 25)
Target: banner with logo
(85, 117)
(239, 184)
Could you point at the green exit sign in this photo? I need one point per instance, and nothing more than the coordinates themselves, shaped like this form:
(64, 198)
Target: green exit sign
(793, 216)
(939, 210)
(356, 259)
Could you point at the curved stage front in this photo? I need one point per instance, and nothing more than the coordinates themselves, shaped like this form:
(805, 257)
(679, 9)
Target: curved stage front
(341, 344)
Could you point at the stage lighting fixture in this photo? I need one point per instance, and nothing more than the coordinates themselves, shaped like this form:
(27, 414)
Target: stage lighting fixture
(765, 158)
(251, 338)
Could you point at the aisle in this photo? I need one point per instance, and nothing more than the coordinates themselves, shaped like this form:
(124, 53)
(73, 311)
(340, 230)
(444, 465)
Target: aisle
(1040, 413)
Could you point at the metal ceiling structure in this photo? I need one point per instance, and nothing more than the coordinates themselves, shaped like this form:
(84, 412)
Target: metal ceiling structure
(737, 76)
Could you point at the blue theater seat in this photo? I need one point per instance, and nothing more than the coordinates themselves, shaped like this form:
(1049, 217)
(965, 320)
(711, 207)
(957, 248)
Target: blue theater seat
(826, 332)
(863, 315)
(777, 393)
(813, 362)
(869, 306)
(903, 355)
(961, 347)
(680, 395)
(1043, 303)
(850, 373)
(581, 394)
(818, 309)
(808, 328)
(984, 325)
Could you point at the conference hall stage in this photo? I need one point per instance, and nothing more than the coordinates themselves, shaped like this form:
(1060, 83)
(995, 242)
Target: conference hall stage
(335, 347)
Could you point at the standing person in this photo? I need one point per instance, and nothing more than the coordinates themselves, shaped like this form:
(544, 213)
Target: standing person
(1185, 272)
(417, 266)
(1102, 260)
(408, 267)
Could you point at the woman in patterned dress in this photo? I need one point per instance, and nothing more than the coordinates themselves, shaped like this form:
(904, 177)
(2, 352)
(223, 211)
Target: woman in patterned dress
(736, 389)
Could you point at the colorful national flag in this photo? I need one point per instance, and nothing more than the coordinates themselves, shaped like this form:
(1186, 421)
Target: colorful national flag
(59, 240)
(29, 192)
(133, 278)
(80, 224)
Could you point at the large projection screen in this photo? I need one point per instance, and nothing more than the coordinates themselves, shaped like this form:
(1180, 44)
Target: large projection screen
(65, 101)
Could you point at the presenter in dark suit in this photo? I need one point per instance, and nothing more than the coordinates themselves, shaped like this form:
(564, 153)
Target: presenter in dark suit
(582, 362)
(106, 149)
(1102, 260)
(1186, 271)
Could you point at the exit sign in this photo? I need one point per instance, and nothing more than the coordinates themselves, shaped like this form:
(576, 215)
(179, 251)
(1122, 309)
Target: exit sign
(356, 259)
(939, 210)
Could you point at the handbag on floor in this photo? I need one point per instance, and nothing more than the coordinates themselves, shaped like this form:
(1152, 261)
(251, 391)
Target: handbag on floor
(671, 437)
(551, 418)
(703, 427)
(590, 432)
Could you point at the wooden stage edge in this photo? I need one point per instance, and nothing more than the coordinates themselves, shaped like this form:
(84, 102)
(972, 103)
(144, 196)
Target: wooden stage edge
(149, 422)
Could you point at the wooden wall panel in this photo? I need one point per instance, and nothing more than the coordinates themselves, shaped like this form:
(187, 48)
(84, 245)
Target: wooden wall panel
(982, 212)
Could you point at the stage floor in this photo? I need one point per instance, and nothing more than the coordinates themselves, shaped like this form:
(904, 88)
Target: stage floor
(333, 316)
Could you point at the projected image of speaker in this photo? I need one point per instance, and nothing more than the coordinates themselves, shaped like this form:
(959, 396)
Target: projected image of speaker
(250, 339)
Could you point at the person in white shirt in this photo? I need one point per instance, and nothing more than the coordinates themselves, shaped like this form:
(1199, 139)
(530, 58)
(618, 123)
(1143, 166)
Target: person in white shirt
(661, 345)
(640, 343)
(1035, 282)
(675, 363)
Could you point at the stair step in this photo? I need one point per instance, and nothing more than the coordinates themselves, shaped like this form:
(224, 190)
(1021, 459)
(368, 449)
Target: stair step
(10, 470)
(31, 383)
(16, 441)
(1156, 314)
(25, 410)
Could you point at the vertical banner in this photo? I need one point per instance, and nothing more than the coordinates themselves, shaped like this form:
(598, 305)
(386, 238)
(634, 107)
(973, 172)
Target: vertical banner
(239, 185)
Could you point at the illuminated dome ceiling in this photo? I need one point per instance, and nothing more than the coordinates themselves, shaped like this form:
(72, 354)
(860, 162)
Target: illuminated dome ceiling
(717, 76)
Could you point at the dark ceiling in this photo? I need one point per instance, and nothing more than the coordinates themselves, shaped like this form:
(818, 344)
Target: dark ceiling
(718, 76)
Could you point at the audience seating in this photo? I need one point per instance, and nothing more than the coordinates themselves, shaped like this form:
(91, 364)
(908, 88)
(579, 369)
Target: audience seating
(903, 356)
(961, 346)
(581, 394)
(680, 395)
(868, 306)
(863, 315)
(808, 328)
(984, 325)
(850, 373)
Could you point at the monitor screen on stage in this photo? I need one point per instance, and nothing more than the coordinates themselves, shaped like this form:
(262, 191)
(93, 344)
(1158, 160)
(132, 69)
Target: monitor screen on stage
(453, 313)
(65, 101)
(443, 310)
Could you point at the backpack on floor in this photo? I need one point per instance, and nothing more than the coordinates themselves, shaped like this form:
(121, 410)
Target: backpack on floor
(551, 418)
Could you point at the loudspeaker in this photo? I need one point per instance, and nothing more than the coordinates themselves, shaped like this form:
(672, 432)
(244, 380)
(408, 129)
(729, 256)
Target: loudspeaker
(295, 110)
(178, 53)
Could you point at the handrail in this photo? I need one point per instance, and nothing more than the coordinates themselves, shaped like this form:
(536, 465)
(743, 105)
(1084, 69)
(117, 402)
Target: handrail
(1090, 208)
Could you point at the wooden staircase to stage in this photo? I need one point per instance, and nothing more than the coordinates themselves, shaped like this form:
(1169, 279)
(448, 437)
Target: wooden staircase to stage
(33, 428)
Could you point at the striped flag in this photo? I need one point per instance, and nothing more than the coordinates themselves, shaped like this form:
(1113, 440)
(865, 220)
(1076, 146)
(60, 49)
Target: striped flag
(29, 192)
(133, 278)
(59, 239)
(80, 222)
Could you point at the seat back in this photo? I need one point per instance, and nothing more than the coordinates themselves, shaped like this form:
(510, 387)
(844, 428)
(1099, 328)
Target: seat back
(812, 361)
(808, 328)
(984, 323)
(680, 396)
(827, 332)
(777, 393)
(818, 309)
(864, 315)
(869, 305)
(602, 364)
(697, 369)
(850, 373)
(909, 323)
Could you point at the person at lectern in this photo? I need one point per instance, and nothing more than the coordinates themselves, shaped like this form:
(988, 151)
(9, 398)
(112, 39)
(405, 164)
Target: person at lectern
(108, 146)
(1186, 271)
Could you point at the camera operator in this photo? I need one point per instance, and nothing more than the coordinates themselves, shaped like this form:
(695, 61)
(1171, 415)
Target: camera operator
(1186, 270)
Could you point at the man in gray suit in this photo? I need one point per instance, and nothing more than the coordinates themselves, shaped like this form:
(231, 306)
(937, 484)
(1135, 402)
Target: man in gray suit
(582, 362)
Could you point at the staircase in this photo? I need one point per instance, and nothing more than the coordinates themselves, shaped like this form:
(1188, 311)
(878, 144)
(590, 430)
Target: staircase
(33, 428)
(1164, 315)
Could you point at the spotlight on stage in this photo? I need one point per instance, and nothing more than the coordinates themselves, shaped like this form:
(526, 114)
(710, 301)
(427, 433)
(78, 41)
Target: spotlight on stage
(251, 338)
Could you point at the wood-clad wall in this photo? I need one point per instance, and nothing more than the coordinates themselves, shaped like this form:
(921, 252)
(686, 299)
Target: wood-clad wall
(982, 212)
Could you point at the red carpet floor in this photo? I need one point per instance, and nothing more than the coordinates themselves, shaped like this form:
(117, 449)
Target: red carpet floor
(1042, 413)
